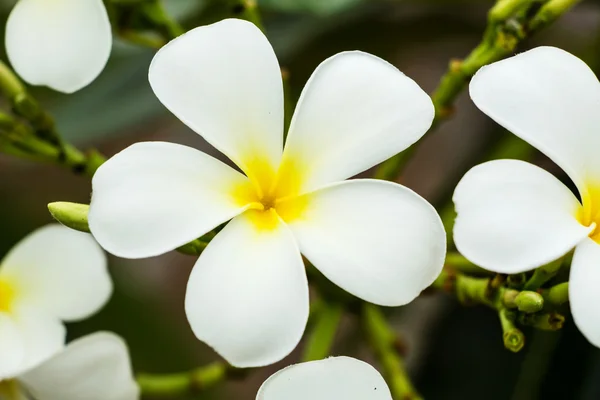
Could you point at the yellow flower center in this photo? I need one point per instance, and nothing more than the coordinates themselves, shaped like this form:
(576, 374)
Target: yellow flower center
(272, 194)
(589, 212)
(7, 294)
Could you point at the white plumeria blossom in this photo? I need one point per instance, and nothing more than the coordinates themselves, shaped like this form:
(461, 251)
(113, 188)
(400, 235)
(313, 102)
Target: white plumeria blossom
(247, 296)
(53, 275)
(333, 378)
(95, 367)
(514, 216)
(62, 44)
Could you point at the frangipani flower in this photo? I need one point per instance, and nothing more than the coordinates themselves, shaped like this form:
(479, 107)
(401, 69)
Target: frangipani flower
(247, 296)
(333, 378)
(62, 44)
(55, 274)
(95, 367)
(514, 216)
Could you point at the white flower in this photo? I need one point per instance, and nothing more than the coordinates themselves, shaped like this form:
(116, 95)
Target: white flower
(63, 44)
(55, 274)
(95, 367)
(333, 378)
(514, 216)
(247, 296)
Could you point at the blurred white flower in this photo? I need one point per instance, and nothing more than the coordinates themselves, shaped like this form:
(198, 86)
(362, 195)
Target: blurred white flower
(62, 44)
(247, 296)
(53, 275)
(333, 378)
(514, 216)
(95, 367)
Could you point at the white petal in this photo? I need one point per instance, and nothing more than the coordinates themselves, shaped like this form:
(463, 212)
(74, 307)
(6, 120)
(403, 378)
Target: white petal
(63, 44)
(514, 216)
(583, 289)
(41, 336)
(11, 347)
(153, 197)
(378, 240)
(59, 270)
(224, 82)
(356, 110)
(96, 367)
(247, 296)
(333, 378)
(550, 99)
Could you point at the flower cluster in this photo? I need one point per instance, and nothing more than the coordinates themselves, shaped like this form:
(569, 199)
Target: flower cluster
(54, 275)
(275, 201)
(514, 216)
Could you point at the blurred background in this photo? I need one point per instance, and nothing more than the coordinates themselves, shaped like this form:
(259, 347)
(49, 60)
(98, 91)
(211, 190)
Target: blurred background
(454, 352)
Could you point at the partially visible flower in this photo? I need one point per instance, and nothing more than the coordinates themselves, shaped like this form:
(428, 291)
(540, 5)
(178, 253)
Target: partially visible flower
(63, 44)
(95, 367)
(333, 378)
(247, 296)
(514, 216)
(53, 275)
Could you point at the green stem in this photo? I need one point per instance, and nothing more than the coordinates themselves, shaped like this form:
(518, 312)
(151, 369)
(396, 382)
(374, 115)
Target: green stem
(178, 384)
(535, 365)
(25, 106)
(382, 339)
(513, 338)
(326, 321)
(459, 263)
(10, 85)
(543, 274)
(550, 12)
(506, 29)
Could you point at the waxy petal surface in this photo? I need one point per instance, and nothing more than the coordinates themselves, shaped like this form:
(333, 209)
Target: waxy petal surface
(62, 44)
(355, 111)
(59, 271)
(549, 98)
(514, 216)
(378, 240)
(333, 378)
(224, 82)
(153, 197)
(247, 296)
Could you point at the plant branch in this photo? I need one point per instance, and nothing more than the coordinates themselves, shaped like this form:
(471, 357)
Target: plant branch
(509, 23)
(194, 381)
(382, 339)
(326, 318)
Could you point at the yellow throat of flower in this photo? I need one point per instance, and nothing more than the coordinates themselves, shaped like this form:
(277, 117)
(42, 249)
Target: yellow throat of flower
(589, 212)
(272, 194)
(7, 294)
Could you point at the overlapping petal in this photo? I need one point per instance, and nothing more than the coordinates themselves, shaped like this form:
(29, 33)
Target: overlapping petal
(60, 271)
(247, 296)
(378, 240)
(41, 335)
(224, 82)
(583, 289)
(333, 378)
(96, 367)
(154, 197)
(514, 216)
(356, 110)
(549, 98)
(11, 347)
(63, 44)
